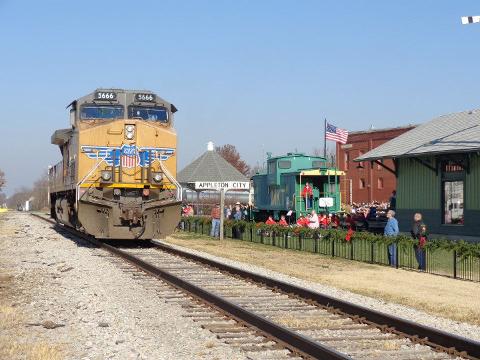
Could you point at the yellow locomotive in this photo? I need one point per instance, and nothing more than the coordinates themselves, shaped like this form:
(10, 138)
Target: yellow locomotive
(117, 178)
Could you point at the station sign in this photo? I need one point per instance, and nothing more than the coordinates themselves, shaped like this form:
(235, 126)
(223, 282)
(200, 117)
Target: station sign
(219, 185)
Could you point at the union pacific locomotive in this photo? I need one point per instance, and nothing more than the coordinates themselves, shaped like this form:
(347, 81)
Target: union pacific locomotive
(117, 177)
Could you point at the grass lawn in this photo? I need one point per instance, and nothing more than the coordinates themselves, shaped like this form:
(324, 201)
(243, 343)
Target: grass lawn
(437, 295)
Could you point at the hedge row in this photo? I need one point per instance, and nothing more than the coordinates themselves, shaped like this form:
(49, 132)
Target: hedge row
(462, 248)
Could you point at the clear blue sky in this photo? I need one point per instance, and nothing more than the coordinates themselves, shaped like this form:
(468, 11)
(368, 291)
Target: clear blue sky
(256, 74)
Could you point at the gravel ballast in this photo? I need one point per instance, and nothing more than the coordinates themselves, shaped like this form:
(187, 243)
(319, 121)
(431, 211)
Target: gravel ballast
(74, 296)
(455, 327)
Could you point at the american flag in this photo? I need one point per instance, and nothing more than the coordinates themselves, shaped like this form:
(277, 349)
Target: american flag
(336, 134)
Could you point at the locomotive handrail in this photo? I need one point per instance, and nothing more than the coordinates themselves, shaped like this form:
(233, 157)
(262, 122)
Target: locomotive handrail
(87, 176)
(172, 179)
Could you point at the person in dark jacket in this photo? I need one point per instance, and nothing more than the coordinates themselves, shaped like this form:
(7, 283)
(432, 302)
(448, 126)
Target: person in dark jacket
(393, 200)
(419, 233)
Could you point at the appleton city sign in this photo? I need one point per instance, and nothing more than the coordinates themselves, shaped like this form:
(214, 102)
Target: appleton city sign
(219, 185)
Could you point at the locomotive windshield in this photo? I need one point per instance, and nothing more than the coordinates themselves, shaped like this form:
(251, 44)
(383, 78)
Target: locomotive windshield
(101, 112)
(157, 113)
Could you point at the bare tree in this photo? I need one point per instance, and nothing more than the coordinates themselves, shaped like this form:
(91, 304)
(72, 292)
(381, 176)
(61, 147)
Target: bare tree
(331, 155)
(40, 193)
(19, 197)
(37, 195)
(2, 179)
(3, 199)
(229, 152)
(255, 169)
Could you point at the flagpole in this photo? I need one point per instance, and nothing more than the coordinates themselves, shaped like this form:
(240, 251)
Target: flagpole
(325, 139)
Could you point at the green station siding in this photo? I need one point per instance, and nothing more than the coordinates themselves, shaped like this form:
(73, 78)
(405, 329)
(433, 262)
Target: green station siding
(419, 189)
(472, 184)
(417, 186)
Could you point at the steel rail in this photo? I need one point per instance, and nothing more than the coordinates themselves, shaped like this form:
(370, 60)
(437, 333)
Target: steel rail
(297, 343)
(437, 339)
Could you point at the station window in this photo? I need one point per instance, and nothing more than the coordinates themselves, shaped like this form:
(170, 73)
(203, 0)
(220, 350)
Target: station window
(453, 202)
(380, 183)
(453, 178)
(284, 164)
(361, 184)
(346, 160)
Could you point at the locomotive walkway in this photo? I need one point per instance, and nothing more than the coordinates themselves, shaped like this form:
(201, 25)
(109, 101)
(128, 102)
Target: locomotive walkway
(260, 314)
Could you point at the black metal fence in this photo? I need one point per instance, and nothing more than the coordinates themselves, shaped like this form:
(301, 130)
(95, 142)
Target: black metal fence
(439, 261)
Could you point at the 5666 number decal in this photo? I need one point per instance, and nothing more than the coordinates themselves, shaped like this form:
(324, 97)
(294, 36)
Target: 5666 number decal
(145, 97)
(105, 95)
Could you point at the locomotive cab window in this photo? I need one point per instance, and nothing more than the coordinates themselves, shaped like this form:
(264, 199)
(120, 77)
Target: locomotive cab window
(157, 113)
(101, 112)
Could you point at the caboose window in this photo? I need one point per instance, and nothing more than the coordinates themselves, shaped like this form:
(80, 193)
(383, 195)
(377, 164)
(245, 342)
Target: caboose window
(101, 112)
(156, 113)
(284, 164)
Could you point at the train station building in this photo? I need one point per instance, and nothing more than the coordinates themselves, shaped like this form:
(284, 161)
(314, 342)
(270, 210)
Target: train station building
(437, 169)
(364, 183)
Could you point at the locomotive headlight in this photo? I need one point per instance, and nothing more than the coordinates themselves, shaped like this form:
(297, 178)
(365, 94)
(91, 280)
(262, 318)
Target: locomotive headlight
(157, 177)
(129, 132)
(106, 175)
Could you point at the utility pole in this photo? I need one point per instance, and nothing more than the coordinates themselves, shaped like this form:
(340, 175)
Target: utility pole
(470, 20)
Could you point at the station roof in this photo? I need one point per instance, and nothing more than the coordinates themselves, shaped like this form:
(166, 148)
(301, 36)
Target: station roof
(452, 133)
(210, 166)
(373, 130)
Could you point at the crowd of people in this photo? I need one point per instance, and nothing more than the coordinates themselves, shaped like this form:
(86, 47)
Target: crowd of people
(356, 217)
(236, 212)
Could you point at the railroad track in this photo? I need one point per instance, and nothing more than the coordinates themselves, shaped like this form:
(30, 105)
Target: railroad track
(268, 318)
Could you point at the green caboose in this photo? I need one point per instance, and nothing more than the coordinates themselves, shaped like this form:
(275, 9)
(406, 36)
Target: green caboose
(278, 189)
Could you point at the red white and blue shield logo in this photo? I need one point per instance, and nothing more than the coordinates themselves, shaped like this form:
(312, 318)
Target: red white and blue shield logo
(129, 156)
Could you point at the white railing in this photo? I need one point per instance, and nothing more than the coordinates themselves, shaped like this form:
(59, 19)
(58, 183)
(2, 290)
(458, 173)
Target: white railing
(172, 179)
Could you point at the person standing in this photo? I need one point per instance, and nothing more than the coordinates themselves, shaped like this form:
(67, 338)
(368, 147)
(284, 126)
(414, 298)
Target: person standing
(270, 221)
(393, 200)
(419, 232)
(237, 216)
(307, 194)
(282, 221)
(215, 231)
(313, 222)
(323, 221)
(391, 229)
(302, 221)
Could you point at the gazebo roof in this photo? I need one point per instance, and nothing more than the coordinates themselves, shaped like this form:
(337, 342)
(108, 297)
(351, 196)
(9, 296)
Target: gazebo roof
(210, 166)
